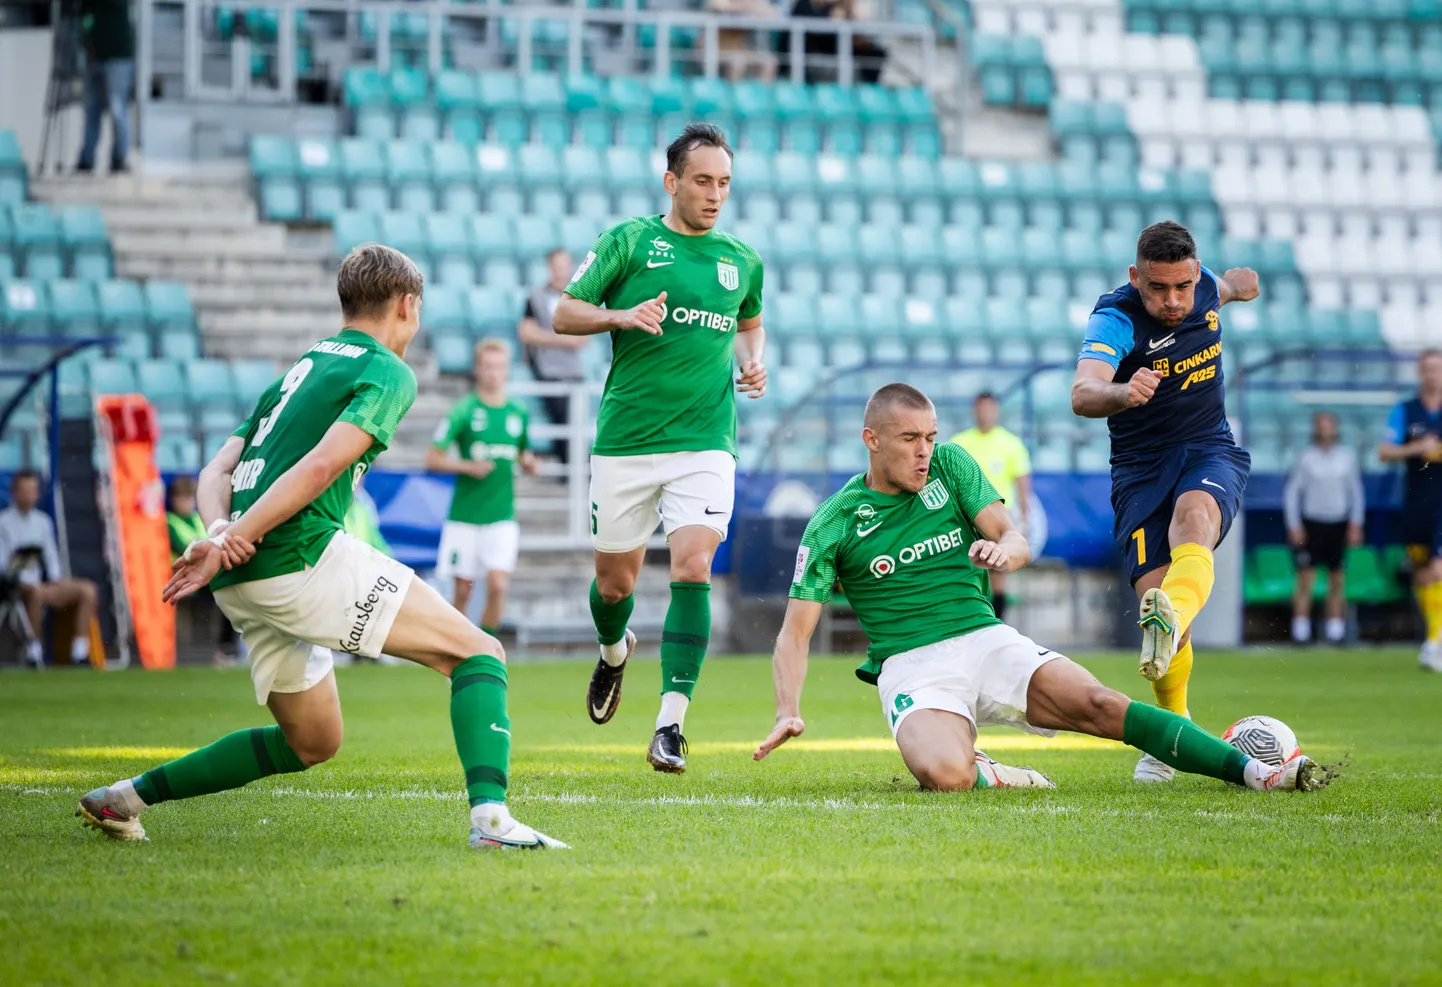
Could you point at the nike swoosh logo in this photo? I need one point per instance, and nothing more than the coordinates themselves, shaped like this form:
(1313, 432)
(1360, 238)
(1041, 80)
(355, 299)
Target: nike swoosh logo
(664, 263)
(601, 709)
(863, 532)
(1044, 651)
(1157, 344)
(500, 730)
(711, 512)
(683, 681)
(1211, 484)
(1176, 740)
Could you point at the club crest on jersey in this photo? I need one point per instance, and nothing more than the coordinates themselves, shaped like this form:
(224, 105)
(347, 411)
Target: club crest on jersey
(934, 495)
(478, 420)
(513, 426)
(1213, 321)
(882, 565)
(729, 276)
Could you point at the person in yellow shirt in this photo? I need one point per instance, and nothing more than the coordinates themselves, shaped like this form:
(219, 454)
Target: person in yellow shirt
(1007, 465)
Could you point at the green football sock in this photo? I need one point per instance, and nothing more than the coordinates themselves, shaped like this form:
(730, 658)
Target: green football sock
(1177, 741)
(610, 618)
(684, 637)
(232, 761)
(481, 726)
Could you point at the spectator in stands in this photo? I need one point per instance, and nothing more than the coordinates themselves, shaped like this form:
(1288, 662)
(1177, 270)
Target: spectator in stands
(741, 56)
(552, 357)
(1324, 507)
(1006, 463)
(109, 78)
(1414, 438)
(182, 516)
(29, 553)
(822, 49)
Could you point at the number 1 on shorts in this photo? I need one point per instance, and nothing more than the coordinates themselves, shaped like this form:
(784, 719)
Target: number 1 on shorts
(1140, 537)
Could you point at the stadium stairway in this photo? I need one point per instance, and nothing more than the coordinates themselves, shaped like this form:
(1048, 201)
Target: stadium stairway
(260, 291)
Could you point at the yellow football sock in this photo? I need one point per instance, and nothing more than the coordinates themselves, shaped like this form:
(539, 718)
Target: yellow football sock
(1171, 688)
(1429, 597)
(1189, 582)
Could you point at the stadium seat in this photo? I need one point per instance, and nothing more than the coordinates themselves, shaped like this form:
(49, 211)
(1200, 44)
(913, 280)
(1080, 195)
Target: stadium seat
(251, 378)
(122, 307)
(75, 308)
(26, 308)
(112, 377)
(167, 306)
(1269, 576)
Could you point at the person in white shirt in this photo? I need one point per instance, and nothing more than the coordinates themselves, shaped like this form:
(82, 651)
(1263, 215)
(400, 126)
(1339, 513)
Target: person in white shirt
(1324, 508)
(28, 553)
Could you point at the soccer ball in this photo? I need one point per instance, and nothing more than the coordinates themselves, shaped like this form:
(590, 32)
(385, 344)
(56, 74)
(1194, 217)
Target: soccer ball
(1267, 739)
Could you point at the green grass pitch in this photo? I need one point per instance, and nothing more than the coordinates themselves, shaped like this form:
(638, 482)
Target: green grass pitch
(822, 865)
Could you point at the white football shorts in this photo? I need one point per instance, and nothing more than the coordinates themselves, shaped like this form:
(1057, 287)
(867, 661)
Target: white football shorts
(629, 494)
(982, 676)
(469, 551)
(347, 601)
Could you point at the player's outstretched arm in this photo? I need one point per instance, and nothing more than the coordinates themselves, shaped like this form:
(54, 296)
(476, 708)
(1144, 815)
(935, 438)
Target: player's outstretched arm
(1240, 284)
(342, 444)
(212, 490)
(1001, 547)
(750, 353)
(1094, 394)
(788, 670)
(574, 317)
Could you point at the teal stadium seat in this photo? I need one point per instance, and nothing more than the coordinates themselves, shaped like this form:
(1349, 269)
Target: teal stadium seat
(163, 384)
(251, 378)
(26, 308)
(35, 232)
(493, 311)
(363, 169)
(491, 236)
(406, 232)
(408, 169)
(318, 164)
(448, 242)
(352, 228)
(274, 165)
(179, 345)
(453, 175)
(75, 308)
(113, 377)
(122, 308)
(86, 242)
(446, 311)
(167, 306)
(458, 99)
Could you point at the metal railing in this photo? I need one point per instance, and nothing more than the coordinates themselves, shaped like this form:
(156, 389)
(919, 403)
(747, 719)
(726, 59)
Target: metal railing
(572, 499)
(478, 35)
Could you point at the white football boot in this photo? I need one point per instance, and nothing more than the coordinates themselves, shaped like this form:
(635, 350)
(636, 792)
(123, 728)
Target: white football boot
(1430, 657)
(1149, 769)
(493, 827)
(1159, 634)
(1005, 776)
(107, 810)
(1300, 774)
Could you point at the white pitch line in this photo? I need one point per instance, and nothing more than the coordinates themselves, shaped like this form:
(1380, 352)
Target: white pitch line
(975, 805)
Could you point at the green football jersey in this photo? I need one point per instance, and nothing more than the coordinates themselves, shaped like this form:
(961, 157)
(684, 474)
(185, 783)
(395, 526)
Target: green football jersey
(902, 558)
(485, 431)
(673, 392)
(349, 377)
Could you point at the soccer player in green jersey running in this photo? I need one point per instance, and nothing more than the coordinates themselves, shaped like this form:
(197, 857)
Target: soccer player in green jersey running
(489, 432)
(296, 585)
(682, 302)
(912, 541)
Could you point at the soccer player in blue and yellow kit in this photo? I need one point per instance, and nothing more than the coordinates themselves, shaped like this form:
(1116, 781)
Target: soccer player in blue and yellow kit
(1151, 365)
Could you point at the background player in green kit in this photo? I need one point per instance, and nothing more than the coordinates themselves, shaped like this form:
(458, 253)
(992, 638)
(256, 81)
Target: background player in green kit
(489, 432)
(911, 542)
(682, 302)
(296, 585)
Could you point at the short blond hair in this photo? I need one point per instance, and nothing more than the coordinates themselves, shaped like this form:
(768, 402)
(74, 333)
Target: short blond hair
(374, 275)
(493, 345)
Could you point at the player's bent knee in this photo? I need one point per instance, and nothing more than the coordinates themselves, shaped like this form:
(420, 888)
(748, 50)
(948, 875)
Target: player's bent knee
(945, 776)
(316, 747)
(1103, 711)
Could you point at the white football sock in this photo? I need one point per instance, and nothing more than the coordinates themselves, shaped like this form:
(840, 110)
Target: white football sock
(34, 653)
(129, 797)
(673, 710)
(80, 648)
(1336, 629)
(615, 654)
(1255, 773)
(1301, 629)
(492, 818)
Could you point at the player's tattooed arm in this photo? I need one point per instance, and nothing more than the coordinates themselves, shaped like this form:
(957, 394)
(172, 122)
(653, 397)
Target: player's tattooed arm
(788, 670)
(1001, 547)
(574, 317)
(1240, 284)
(1094, 393)
(750, 351)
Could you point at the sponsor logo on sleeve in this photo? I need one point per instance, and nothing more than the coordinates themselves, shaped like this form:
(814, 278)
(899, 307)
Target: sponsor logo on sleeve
(585, 266)
(1102, 348)
(802, 554)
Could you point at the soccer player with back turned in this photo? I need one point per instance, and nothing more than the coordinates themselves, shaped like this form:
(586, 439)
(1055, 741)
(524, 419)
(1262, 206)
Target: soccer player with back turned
(1151, 364)
(1414, 438)
(911, 541)
(296, 585)
(682, 302)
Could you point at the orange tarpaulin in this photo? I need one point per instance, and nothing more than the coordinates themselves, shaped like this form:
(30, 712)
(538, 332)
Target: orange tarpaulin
(139, 516)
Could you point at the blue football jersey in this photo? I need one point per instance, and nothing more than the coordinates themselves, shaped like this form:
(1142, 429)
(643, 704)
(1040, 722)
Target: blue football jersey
(1190, 403)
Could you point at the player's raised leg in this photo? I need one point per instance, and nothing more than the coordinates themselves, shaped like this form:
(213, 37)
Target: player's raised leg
(1168, 610)
(1063, 695)
(612, 601)
(429, 631)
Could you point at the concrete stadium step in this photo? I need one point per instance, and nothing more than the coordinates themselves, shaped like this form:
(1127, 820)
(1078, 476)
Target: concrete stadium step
(186, 219)
(255, 243)
(228, 195)
(223, 295)
(192, 268)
